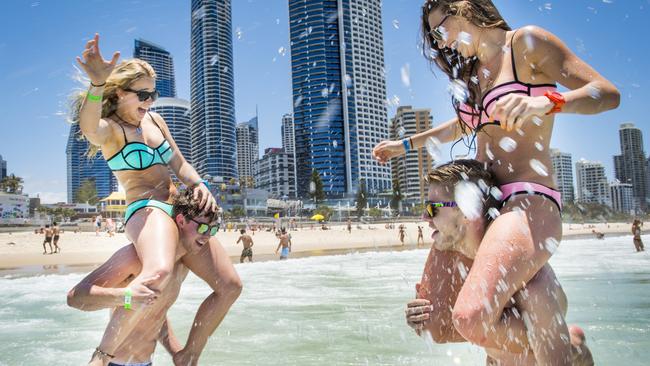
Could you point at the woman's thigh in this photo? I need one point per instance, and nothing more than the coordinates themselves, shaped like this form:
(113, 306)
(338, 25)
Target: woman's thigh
(155, 237)
(515, 247)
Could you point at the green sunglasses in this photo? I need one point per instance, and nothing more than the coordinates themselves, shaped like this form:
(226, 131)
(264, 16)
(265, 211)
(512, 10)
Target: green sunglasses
(431, 207)
(203, 228)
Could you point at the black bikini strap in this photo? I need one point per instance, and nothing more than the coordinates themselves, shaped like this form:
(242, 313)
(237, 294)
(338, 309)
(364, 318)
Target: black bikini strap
(123, 133)
(512, 56)
(157, 125)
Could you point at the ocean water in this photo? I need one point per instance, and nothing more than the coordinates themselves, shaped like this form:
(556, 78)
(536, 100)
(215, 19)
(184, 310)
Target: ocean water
(336, 310)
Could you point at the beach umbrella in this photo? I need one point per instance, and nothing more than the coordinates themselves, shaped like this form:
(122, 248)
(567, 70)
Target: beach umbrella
(318, 217)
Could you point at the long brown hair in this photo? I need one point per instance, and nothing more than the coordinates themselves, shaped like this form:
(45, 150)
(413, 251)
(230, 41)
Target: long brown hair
(481, 13)
(123, 75)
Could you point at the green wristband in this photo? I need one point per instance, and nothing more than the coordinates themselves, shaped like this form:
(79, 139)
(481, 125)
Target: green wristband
(94, 98)
(127, 298)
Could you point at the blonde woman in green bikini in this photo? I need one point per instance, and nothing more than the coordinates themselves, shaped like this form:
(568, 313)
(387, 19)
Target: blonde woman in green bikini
(140, 150)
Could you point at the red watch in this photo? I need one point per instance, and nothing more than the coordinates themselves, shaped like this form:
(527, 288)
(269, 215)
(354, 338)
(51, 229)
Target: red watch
(557, 99)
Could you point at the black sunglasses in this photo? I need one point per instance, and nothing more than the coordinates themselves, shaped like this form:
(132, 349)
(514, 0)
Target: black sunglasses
(204, 228)
(436, 33)
(431, 207)
(144, 95)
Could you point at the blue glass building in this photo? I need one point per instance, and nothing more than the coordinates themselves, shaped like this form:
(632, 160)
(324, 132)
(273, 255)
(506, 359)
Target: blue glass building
(339, 93)
(162, 62)
(81, 168)
(176, 113)
(212, 89)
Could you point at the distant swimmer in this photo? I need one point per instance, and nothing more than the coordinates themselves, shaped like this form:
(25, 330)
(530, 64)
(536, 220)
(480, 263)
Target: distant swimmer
(285, 244)
(247, 241)
(48, 239)
(56, 231)
(636, 232)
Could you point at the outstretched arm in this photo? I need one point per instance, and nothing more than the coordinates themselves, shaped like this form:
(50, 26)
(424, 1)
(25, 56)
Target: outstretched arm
(105, 286)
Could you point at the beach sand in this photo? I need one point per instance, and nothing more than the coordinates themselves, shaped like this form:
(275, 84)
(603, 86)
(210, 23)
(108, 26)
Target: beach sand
(22, 252)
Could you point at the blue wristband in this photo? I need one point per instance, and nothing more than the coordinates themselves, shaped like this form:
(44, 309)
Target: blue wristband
(202, 181)
(407, 145)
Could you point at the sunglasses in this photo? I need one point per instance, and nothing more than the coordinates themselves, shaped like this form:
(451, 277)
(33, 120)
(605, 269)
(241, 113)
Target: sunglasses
(431, 207)
(438, 32)
(203, 228)
(144, 95)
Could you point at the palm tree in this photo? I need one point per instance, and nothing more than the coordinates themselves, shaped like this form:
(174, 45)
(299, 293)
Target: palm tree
(12, 184)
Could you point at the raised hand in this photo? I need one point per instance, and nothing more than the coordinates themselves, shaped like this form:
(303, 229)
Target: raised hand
(386, 150)
(94, 65)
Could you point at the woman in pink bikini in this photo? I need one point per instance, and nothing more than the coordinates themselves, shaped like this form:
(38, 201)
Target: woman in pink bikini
(508, 101)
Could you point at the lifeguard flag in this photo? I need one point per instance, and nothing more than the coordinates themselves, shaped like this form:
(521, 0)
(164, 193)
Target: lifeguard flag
(276, 216)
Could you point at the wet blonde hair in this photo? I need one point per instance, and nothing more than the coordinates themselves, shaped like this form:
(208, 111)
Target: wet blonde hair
(124, 74)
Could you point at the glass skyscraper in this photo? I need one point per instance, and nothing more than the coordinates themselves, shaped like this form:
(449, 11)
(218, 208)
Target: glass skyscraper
(81, 168)
(339, 93)
(247, 150)
(176, 113)
(162, 62)
(212, 90)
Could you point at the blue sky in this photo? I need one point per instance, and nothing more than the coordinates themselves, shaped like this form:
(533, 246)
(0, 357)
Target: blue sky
(40, 39)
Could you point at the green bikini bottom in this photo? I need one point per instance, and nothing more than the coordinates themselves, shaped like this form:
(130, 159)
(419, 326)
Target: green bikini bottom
(134, 206)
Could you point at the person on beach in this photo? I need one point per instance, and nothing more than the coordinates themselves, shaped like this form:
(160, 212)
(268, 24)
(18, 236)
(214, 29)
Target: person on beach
(48, 239)
(247, 242)
(56, 232)
(420, 235)
(114, 116)
(506, 98)
(401, 233)
(636, 232)
(285, 244)
(349, 226)
(456, 238)
(98, 224)
(110, 287)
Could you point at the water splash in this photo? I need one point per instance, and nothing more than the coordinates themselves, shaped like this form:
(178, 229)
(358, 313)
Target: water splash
(508, 144)
(406, 75)
(539, 167)
(468, 196)
(433, 148)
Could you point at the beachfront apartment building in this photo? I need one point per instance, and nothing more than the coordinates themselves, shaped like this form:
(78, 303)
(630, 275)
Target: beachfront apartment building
(212, 89)
(3, 168)
(407, 170)
(563, 174)
(631, 165)
(339, 93)
(622, 196)
(592, 183)
(274, 174)
(162, 63)
(247, 150)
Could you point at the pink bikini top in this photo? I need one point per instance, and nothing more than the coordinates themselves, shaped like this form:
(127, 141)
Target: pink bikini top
(476, 119)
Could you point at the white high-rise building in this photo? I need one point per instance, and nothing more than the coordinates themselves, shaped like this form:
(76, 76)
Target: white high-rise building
(273, 173)
(622, 195)
(288, 134)
(409, 169)
(592, 182)
(369, 90)
(247, 150)
(563, 174)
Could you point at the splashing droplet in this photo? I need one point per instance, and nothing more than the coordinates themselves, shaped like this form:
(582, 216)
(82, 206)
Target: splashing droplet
(539, 167)
(458, 90)
(395, 23)
(468, 196)
(433, 148)
(508, 144)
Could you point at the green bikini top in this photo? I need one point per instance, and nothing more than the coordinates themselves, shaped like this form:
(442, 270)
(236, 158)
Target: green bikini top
(136, 155)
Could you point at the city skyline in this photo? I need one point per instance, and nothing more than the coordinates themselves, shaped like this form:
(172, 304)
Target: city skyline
(260, 31)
